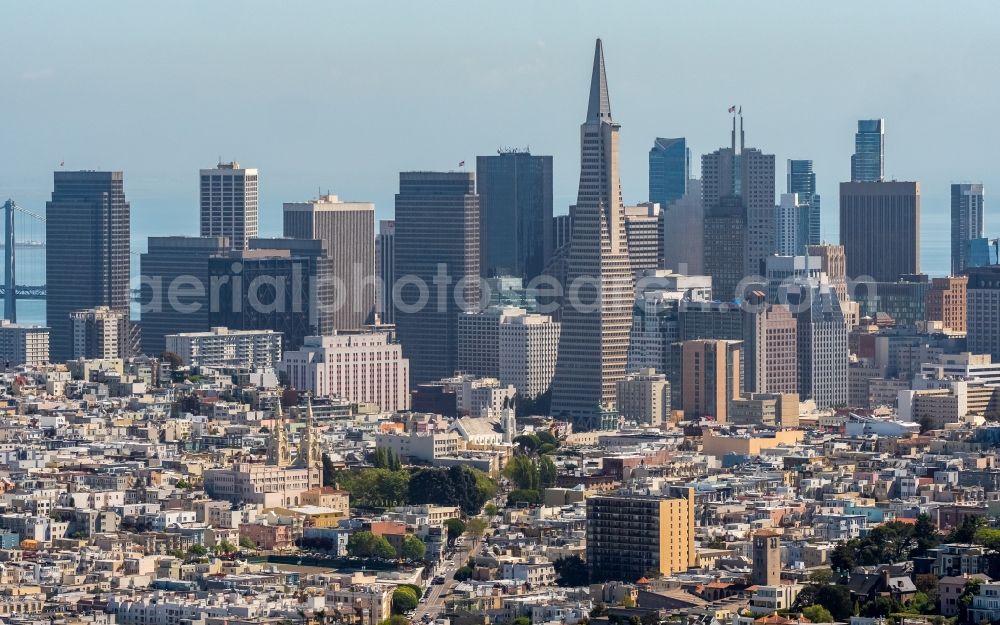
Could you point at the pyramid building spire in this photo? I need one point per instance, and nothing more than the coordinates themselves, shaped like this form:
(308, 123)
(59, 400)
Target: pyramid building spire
(599, 108)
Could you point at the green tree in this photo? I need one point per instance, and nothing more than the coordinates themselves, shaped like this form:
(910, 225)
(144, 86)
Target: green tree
(404, 600)
(571, 572)
(455, 527)
(528, 442)
(546, 472)
(547, 438)
(417, 590)
(881, 606)
(965, 599)
(491, 510)
(395, 463)
(380, 459)
(523, 473)
(817, 614)
(463, 573)
(836, 599)
(476, 527)
(966, 531)
(925, 534)
(821, 576)
(396, 619)
(329, 472)
(227, 547)
(412, 549)
(172, 359)
(247, 543)
(367, 545)
(198, 550)
(525, 496)
(521, 620)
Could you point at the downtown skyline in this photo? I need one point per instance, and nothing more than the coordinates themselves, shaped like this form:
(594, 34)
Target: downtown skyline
(514, 90)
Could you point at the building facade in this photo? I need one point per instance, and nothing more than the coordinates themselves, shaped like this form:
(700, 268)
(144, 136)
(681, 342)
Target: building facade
(593, 345)
(711, 376)
(385, 270)
(669, 170)
(515, 218)
(644, 397)
(771, 348)
(349, 231)
(229, 197)
(437, 226)
(802, 182)
(880, 229)
(967, 207)
(87, 251)
(630, 535)
(982, 306)
(362, 367)
(175, 287)
(278, 284)
(23, 344)
(100, 333)
(822, 348)
(683, 232)
(529, 344)
(644, 235)
(222, 347)
(868, 160)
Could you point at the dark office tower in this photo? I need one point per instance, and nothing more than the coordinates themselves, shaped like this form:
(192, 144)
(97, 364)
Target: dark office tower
(437, 227)
(87, 251)
(724, 246)
(880, 229)
(229, 203)
(868, 160)
(802, 181)
(349, 231)
(385, 268)
(515, 216)
(562, 231)
(283, 285)
(982, 303)
(748, 174)
(175, 287)
(966, 222)
(593, 345)
(669, 170)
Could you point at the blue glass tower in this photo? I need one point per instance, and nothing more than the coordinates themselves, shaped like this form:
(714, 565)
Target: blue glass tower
(802, 180)
(669, 170)
(868, 160)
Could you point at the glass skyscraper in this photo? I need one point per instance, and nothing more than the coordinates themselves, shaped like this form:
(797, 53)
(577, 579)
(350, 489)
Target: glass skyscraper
(669, 170)
(868, 160)
(802, 180)
(966, 222)
(515, 202)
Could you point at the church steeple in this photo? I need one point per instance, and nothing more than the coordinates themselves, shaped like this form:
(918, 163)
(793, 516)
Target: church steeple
(278, 453)
(309, 455)
(599, 108)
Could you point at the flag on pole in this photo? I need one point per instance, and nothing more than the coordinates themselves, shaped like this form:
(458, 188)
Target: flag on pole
(461, 163)
(732, 109)
(61, 163)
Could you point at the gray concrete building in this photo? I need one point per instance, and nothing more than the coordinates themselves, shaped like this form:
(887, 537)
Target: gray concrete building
(229, 199)
(349, 231)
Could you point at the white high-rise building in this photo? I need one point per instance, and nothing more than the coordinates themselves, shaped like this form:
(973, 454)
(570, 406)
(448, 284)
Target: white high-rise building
(229, 203)
(361, 367)
(22, 344)
(644, 232)
(791, 226)
(222, 347)
(594, 341)
(528, 347)
(644, 397)
(479, 340)
(100, 332)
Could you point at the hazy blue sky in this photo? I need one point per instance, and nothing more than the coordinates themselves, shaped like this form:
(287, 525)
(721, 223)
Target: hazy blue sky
(345, 95)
